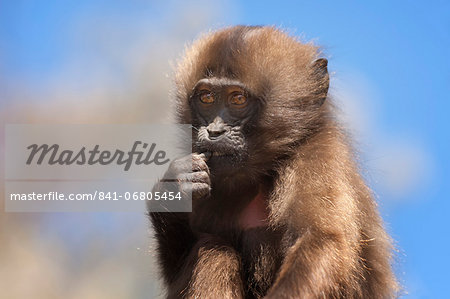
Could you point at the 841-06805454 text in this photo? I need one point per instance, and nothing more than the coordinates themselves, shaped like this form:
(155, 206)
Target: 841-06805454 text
(97, 195)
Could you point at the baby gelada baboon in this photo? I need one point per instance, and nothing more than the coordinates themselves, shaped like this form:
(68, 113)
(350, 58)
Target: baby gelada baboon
(279, 208)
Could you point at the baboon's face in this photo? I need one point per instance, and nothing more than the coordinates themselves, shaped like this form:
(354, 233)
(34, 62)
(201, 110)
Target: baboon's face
(224, 115)
(252, 98)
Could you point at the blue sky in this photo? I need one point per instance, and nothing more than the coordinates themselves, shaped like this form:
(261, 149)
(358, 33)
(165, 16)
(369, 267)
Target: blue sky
(400, 49)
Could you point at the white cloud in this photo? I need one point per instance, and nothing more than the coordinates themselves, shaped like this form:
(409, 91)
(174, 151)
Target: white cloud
(397, 164)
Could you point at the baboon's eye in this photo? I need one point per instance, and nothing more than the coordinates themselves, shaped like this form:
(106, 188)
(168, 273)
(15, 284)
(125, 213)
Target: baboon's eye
(238, 100)
(207, 98)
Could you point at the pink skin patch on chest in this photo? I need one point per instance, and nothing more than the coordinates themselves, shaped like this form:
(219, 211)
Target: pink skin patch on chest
(256, 213)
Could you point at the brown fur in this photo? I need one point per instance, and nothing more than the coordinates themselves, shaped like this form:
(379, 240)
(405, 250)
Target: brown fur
(325, 238)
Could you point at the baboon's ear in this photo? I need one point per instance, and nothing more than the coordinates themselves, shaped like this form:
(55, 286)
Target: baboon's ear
(321, 66)
(322, 77)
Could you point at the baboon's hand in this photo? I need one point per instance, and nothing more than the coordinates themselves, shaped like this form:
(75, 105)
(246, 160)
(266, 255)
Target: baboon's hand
(191, 174)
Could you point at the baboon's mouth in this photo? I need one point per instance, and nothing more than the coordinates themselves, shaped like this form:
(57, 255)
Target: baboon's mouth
(220, 154)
